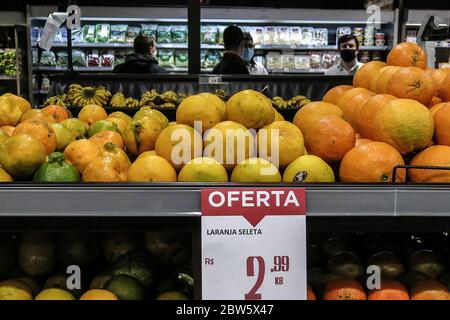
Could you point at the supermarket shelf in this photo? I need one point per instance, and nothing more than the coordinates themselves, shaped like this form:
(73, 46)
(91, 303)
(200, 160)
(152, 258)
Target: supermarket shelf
(8, 78)
(183, 200)
(287, 70)
(115, 45)
(43, 92)
(63, 69)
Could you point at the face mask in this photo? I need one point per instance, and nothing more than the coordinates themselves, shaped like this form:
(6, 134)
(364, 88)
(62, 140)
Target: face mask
(248, 54)
(348, 55)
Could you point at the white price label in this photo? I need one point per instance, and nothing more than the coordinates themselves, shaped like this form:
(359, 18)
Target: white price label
(254, 244)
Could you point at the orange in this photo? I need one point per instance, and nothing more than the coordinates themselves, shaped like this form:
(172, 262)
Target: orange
(344, 289)
(438, 76)
(8, 130)
(151, 169)
(412, 83)
(198, 108)
(381, 86)
(361, 141)
(353, 107)
(429, 290)
(37, 114)
(333, 95)
(92, 113)
(306, 117)
(367, 114)
(217, 102)
(108, 136)
(371, 162)
(41, 131)
(365, 74)
(98, 294)
(203, 170)
(105, 169)
(349, 95)
(407, 54)
(179, 144)
(310, 294)
(82, 152)
(278, 116)
(330, 139)
(140, 135)
(434, 101)
(120, 123)
(15, 290)
(255, 170)
(432, 156)
(20, 102)
(444, 90)
(405, 124)
(250, 108)
(437, 107)
(389, 290)
(109, 149)
(442, 126)
(58, 113)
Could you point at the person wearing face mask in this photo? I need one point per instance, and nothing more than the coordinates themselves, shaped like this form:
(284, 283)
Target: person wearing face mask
(248, 55)
(348, 46)
(143, 60)
(232, 62)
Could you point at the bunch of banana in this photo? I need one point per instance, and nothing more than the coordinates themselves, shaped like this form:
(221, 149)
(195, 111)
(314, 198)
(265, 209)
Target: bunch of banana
(167, 105)
(56, 100)
(81, 96)
(294, 103)
(131, 103)
(117, 100)
(169, 97)
(149, 98)
(300, 100)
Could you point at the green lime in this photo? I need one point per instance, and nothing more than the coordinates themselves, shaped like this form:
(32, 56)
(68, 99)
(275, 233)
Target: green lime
(102, 125)
(57, 170)
(134, 268)
(125, 288)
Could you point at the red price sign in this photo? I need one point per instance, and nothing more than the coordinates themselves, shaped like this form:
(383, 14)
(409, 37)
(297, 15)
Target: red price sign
(254, 250)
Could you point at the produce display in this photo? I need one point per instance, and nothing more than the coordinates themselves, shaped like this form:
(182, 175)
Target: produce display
(8, 62)
(409, 266)
(112, 266)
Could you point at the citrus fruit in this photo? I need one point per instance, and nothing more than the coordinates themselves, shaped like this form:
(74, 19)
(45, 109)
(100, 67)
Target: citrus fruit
(125, 288)
(98, 294)
(56, 170)
(429, 290)
(15, 290)
(151, 113)
(428, 263)
(229, 143)
(152, 169)
(4, 176)
(172, 295)
(444, 91)
(381, 86)
(307, 116)
(134, 267)
(120, 123)
(389, 263)
(442, 125)
(140, 135)
(367, 114)
(21, 155)
(105, 169)
(57, 112)
(104, 137)
(203, 170)
(278, 116)
(121, 115)
(54, 294)
(146, 154)
(36, 254)
(3, 136)
(116, 245)
(333, 95)
(179, 144)
(82, 152)
(310, 294)
(432, 156)
(76, 126)
(32, 283)
(63, 135)
(37, 114)
(371, 162)
(101, 125)
(41, 131)
(412, 83)
(250, 108)
(8, 130)
(330, 139)
(346, 264)
(389, 290)
(405, 124)
(10, 112)
(201, 109)
(92, 113)
(100, 281)
(344, 289)
(284, 138)
(407, 54)
(352, 108)
(76, 248)
(109, 149)
(363, 77)
(19, 102)
(255, 170)
(307, 169)
(217, 102)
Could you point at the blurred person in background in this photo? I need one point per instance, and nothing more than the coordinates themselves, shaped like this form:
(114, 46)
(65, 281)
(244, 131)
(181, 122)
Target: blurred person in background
(143, 60)
(348, 46)
(232, 62)
(248, 55)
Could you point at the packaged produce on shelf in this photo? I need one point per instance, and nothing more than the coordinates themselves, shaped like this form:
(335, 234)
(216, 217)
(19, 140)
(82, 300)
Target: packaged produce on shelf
(329, 59)
(380, 39)
(61, 35)
(119, 57)
(321, 37)
(48, 58)
(89, 33)
(45, 82)
(209, 34)
(93, 58)
(102, 33)
(212, 58)
(307, 36)
(78, 35)
(181, 58)
(118, 33)
(257, 35)
(179, 34)
(166, 58)
(342, 31)
(287, 61)
(164, 34)
(302, 62)
(78, 58)
(273, 60)
(295, 36)
(283, 36)
(358, 32)
(221, 29)
(62, 59)
(34, 56)
(36, 34)
(132, 32)
(107, 59)
(315, 59)
(269, 36)
(8, 62)
(149, 30)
